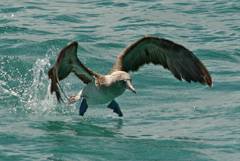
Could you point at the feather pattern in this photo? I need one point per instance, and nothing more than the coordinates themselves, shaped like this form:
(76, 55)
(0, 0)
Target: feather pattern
(182, 63)
(66, 63)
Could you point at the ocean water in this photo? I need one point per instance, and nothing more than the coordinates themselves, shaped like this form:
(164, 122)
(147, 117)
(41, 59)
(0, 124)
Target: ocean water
(167, 120)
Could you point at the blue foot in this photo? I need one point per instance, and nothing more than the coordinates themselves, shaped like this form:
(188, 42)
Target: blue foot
(83, 106)
(115, 107)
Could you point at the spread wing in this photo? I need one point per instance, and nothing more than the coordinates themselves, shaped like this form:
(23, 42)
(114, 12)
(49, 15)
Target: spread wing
(66, 63)
(180, 61)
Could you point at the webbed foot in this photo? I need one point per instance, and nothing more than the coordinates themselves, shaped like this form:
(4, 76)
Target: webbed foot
(83, 106)
(115, 107)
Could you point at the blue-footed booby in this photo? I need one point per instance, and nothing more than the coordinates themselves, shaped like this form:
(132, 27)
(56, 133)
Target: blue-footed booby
(103, 89)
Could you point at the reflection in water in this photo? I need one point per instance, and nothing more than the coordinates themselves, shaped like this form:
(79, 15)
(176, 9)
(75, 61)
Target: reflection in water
(119, 123)
(79, 128)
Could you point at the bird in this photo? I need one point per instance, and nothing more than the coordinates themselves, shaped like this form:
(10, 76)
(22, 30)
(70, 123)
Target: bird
(104, 89)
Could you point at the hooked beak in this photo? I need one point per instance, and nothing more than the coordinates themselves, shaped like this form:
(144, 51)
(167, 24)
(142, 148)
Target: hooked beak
(130, 86)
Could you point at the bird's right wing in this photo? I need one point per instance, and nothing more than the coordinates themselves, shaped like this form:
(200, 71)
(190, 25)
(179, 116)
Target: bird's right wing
(66, 63)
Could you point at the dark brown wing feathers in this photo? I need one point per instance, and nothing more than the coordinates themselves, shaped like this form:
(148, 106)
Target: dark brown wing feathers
(66, 63)
(52, 74)
(180, 61)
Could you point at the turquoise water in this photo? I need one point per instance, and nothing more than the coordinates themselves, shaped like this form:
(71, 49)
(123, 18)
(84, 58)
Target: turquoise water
(167, 120)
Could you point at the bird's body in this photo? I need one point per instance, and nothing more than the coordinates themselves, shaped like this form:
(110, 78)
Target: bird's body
(102, 89)
(102, 94)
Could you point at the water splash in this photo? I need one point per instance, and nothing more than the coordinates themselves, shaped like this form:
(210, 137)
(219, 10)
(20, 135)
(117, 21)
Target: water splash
(27, 86)
(37, 97)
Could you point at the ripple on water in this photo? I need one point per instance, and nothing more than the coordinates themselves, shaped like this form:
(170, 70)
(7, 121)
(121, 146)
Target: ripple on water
(166, 120)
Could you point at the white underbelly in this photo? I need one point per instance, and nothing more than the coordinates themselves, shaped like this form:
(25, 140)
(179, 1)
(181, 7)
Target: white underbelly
(101, 95)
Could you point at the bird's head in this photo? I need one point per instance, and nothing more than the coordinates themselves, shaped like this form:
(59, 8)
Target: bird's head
(124, 78)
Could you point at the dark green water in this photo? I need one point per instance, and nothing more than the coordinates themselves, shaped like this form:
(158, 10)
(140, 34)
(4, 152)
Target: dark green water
(167, 120)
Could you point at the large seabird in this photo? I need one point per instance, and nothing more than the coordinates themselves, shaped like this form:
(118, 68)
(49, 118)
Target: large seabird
(103, 89)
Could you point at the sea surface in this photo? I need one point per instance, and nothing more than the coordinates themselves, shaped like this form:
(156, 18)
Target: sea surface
(167, 120)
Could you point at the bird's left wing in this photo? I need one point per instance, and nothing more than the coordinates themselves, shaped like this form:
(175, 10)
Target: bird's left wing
(66, 63)
(180, 61)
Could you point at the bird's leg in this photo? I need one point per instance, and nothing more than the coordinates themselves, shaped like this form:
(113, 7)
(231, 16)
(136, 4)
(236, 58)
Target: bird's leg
(83, 102)
(73, 99)
(115, 107)
(83, 106)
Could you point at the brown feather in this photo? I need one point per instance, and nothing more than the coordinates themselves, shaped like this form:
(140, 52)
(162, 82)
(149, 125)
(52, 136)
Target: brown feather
(182, 63)
(54, 83)
(67, 62)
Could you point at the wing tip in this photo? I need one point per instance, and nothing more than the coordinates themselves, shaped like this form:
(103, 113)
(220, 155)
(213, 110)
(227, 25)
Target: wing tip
(208, 81)
(73, 43)
(206, 76)
(70, 45)
(54, 84)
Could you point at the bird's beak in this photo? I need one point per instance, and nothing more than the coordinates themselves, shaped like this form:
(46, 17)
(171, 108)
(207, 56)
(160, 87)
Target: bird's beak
(130, 86)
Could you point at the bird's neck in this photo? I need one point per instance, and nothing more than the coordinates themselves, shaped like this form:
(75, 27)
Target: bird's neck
(105, 80)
